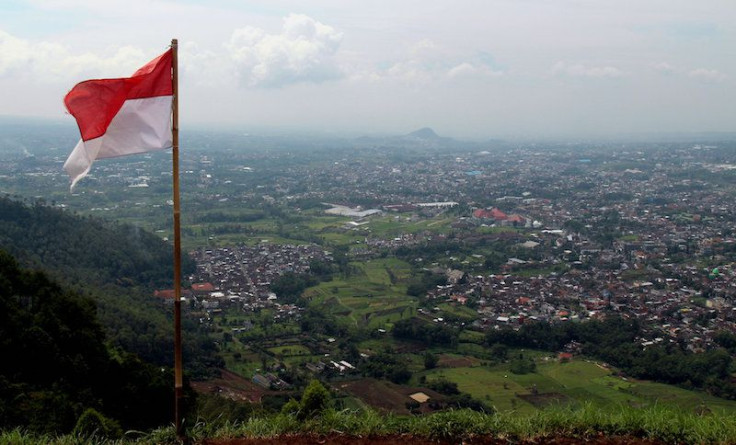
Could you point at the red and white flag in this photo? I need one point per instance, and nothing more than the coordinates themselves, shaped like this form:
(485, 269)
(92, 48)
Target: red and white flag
(119, 117)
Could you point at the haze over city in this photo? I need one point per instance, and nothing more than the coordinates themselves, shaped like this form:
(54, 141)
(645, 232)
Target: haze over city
(470, 69)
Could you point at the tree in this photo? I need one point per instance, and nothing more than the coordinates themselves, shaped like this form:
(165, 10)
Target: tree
(444, 386)
(93, 424)
(314, 401)
(523, 366)
(430, 360)
(499, 351)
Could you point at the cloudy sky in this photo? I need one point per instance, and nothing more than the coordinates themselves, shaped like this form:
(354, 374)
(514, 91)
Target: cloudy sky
(467, 68)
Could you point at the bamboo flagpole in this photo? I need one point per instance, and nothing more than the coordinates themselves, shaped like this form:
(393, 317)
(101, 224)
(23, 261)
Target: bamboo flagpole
(138, 111)
(178, 379)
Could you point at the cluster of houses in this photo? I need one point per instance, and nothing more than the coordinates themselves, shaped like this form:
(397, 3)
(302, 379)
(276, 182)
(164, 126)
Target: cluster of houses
(628, 231)
(676, 301)
(240, 276)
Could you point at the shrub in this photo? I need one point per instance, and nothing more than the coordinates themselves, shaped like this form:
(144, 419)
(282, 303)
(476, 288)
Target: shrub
(314, 401)
(93, 424)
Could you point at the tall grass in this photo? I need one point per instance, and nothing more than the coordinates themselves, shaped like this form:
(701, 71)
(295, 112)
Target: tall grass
(669, 425)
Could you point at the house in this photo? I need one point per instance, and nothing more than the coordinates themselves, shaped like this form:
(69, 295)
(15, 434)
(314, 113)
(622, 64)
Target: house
(462, 299)
(261, 381)
(482, 214)
(498, 215)
(419, 397)
(516, 220)
(167, 295)
(564, 357)
(494, 214)
(202, 288)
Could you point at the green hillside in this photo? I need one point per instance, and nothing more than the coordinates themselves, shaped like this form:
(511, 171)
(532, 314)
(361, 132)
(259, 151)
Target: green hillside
(116, 265)
(56, 364)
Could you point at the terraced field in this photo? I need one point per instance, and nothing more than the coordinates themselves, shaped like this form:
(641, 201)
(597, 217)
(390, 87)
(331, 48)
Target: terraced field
(374, 296)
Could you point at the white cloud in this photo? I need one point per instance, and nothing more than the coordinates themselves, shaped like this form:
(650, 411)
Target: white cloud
(14, 54)
(427, 62)
(663, 67)
(580, 70)
(464, 69)
(304, 51)
(48, 62)
(202, 66)
(467, 69)
(709, 75)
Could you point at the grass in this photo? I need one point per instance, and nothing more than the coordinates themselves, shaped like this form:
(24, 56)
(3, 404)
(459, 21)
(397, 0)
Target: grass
(290, 350)
(459, 311)
(374, 296)
(392, 225)
(659, 423)
(575, 383)
(654, 423)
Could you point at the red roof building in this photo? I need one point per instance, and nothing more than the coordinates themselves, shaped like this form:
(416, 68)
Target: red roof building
(482, 214)
(498, 215)
(203, 287)
(564, 356)
(516, 219)
(493, 213)
(166, 294)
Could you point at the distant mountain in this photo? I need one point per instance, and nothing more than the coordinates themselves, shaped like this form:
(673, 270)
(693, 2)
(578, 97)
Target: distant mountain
(423, 133)
(424, 138)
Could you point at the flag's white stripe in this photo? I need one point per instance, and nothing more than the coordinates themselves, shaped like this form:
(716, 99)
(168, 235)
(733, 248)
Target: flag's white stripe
(79, 162)
(141, 125)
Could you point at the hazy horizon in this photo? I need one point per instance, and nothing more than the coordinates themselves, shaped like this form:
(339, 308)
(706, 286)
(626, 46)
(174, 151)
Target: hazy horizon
(63, 124)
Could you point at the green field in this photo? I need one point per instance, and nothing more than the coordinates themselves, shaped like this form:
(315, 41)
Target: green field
(393, 225)
(290, 350)
(459, 311)
(572, 383)
(374, 295)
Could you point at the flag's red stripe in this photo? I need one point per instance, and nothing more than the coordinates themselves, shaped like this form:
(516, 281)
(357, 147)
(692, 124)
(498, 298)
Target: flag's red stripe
(94, 103)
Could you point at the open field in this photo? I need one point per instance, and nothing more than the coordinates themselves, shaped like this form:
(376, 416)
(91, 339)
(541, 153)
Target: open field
(373, 296)
(575, 382)
(393, 225)
(290, 350)
(383, 396)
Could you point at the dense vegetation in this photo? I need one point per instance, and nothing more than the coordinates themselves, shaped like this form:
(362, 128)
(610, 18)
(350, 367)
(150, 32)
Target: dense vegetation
(85, 250)
(613, 340)
(117, 265)
(57, 365)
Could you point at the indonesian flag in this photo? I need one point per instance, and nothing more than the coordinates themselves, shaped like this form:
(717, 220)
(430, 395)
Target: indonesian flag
(119, 117)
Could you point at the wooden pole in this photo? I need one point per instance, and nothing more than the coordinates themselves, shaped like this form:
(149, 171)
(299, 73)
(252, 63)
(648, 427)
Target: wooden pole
(178, 379)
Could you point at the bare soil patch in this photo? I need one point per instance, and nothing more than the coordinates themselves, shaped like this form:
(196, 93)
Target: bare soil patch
(232, 386)
(385, 396)
(448, 361)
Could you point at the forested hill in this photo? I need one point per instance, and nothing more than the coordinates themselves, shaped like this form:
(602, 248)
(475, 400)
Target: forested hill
(56, 364)
(83, 250)
(117, 265)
